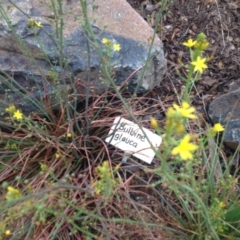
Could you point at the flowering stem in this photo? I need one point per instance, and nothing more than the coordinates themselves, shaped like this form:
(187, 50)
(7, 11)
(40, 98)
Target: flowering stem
(196, 53)
(188, 81)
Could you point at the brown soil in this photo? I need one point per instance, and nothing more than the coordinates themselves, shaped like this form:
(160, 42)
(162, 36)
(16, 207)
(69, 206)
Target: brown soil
(184, 19)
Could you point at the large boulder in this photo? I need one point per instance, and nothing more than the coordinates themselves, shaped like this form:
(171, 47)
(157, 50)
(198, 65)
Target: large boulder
(31, 56)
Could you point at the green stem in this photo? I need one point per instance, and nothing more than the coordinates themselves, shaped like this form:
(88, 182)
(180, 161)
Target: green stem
(190, 78)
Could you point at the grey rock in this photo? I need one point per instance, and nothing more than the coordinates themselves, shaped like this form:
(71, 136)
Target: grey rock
(28, 55)
(226, 110)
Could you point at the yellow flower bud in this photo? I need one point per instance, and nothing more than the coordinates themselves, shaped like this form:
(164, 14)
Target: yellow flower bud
(154, 122)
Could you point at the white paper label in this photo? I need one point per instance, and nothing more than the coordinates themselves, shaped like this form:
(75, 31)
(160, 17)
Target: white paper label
(128, 137)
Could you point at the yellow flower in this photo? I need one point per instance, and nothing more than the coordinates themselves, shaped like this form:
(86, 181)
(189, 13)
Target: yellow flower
(110, 44)
(216, 129)
(185, 148)
(107, 42)
(58, 154)
(13, 193)
(175, 115)
(116, 47)
(32, 23)
(11, 109)
(199, 64)
(7, 232)
(69, 135)
(18, 115)
(154, 122)
(104, 40)
(185, 111)
(38, 24)
(221, 204)
(190, 43)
